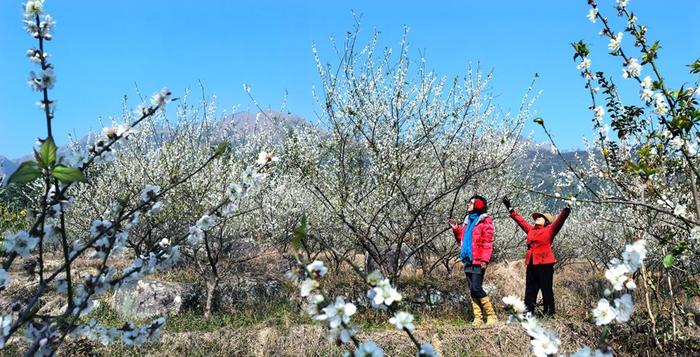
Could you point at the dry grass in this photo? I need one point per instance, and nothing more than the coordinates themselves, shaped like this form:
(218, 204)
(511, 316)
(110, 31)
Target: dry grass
(281, 329)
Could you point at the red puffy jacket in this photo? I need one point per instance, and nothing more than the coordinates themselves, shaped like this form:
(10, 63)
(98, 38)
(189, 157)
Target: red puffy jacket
(539, 238)
(482, 239)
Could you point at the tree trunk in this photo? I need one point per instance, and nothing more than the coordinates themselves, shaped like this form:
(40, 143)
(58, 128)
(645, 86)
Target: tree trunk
(211, 289)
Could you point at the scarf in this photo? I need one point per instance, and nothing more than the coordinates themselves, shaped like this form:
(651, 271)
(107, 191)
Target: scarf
(470, 221)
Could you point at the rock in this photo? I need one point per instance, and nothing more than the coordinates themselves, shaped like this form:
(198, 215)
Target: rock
(248, 290)
(146, 299)
(430, 297)
(435, 297)
(389, 256)
(489, 288)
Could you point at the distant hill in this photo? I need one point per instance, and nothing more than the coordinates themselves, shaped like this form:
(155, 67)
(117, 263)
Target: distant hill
(7, 167)
(237, 126)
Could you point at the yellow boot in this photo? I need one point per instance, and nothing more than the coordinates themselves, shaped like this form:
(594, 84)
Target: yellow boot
(491, 317)
(478, 317)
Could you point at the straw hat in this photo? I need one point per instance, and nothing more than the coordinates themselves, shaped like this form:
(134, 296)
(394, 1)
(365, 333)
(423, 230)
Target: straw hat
(548, 217)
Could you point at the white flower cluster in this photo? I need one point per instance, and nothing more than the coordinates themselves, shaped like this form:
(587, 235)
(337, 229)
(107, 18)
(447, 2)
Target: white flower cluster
(382, 294)
(21, 243)
(660, 105)
(633, 70)
(265, 158)
(584, 65)
(615, 43)
(621, 4)
(367, 349)
(592, 14)
(107, 239)
(543, 342)
(402, 320)
(161, 98)
(164, 259)
(130, 335)
(5, 325)
(5, 278)
(619, 275)
(646, 93)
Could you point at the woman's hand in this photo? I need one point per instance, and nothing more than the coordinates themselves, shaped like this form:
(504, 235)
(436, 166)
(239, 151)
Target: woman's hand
(453, 223)
(484, 265)
(506, 202)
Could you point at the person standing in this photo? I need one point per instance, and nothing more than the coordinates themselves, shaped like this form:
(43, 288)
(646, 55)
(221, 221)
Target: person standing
(475, 238)
(539, 257)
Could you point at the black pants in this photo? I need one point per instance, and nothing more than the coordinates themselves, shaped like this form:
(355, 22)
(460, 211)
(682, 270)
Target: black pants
(539, 277)
(475, 277)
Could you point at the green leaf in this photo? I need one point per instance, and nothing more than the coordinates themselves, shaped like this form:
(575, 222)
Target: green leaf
(299, 233)
(67, 174)
(695, 67)
(221, 148)
(26, 172)
(668, 261)
(47, 152)
(539, 120)
(679, 249)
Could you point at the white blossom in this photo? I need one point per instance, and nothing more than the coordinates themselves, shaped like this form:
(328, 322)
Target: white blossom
(615, 43)
(604, 313)
(150, 192)
(660, 105)
(368, 349)
(384, 293)
(616, 275)
(33, 8)
(584, 351)
(156, 208)
(634, 69)
(5, 325)
(206, 222)
(592, 14)
(695, 233)
(317, 269)
(5, 278)
(374, 278)
(427, 350)
(584, 64)
(646, 93)
(160, 98)
(599, 112)
(620, 4)
(196, 236)
(516, 303)
(307, 286)
(624, 308)
(45, 80)
(21, 243)
(634, 254)
(265, 157)
(99, 227)
(680, 210)
(337, 313)
(402, 320)
(545, 344)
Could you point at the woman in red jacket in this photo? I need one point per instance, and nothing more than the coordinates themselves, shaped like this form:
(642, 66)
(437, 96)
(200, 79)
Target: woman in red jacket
(475, 239)
(539, 257)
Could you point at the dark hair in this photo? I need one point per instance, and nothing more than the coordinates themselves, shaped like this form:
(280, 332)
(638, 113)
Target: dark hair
(486, 204)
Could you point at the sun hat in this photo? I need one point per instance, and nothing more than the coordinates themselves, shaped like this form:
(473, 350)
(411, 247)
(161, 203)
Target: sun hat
(548, 217)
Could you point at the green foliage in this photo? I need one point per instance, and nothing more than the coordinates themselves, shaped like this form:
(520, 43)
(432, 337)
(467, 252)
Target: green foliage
(67, 174)
(46, 156)
(300, 233)
(695, 66)
(580, 49)
(28, 171)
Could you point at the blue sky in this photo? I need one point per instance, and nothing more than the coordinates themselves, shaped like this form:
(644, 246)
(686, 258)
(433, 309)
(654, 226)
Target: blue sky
(103, 49)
